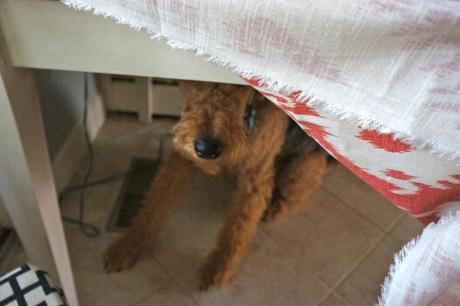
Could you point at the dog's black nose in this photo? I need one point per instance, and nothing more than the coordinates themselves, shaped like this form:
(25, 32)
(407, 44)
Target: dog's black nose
(208, 148)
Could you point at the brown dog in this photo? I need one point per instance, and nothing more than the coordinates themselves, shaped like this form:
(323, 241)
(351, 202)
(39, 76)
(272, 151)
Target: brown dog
(226, 128)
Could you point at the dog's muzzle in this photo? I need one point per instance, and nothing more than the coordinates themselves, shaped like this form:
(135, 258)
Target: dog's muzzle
(208, 148)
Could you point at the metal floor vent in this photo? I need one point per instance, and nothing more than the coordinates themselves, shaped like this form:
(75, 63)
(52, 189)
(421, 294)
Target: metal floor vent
(135, 185)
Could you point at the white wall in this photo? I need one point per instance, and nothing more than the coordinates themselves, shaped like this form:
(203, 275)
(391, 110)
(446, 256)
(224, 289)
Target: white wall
(62, 101)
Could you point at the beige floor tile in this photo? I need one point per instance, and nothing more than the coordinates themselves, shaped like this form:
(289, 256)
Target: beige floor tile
(127, 288)
(362, 287)
(96, 287)
(120, 139)
(334, 300)
(407, 228)
(99, 202)
(268, 276)
(327, 236)
(349, 188)
(168, 298)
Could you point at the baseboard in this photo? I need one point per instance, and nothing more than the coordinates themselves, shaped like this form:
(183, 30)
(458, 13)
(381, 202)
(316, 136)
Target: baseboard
(96, 115)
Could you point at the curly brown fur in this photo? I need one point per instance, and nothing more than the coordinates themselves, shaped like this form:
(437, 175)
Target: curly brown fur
(295, 183)
(261, 158)
(158, 204)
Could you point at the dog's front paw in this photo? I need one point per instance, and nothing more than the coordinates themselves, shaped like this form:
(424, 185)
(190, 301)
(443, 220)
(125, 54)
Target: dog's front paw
(215, 276)
(118, 258)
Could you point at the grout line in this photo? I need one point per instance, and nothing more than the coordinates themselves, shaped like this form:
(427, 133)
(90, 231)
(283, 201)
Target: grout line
(358, 262)
(393, 225)
(315, 277)
(385, 233)
(173, 279)
(319, 280)
(331, 292)
(363, 215)
(321, 300)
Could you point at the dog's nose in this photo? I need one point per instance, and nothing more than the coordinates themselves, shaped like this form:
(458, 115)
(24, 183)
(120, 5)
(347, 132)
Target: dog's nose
(208, 148)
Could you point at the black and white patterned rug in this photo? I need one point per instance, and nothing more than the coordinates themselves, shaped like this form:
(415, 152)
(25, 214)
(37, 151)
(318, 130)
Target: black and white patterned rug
(27, 286)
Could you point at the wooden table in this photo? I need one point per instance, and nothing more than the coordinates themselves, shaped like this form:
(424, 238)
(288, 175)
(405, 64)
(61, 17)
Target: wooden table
(45, 34)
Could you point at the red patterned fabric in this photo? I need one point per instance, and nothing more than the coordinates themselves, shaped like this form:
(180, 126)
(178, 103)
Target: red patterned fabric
(423, 185)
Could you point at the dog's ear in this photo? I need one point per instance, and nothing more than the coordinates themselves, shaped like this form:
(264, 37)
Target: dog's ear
(193, 89)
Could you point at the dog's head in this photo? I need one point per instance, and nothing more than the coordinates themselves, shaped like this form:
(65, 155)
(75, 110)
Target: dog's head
(212, 131)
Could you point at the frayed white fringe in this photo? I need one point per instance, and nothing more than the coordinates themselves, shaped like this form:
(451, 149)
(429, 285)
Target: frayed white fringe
(401, 257)
(398, 260)
(277, 86)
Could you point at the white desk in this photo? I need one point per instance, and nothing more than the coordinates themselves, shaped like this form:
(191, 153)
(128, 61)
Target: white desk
(47, 35)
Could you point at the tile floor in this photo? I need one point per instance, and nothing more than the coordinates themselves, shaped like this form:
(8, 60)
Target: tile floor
(334, 251)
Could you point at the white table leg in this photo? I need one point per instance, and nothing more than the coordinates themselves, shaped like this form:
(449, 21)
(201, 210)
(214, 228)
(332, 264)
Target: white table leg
(26, 180)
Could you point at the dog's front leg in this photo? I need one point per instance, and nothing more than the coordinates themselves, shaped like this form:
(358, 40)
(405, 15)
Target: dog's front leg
(158, 203)
(253, 193)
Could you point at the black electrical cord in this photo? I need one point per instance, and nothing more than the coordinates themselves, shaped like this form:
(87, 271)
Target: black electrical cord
(114, 177)
(89, 229)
